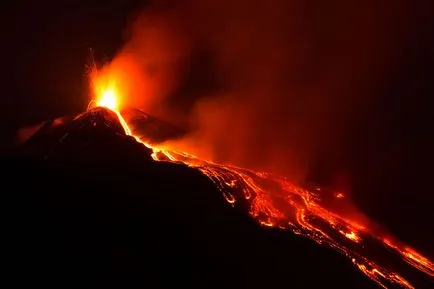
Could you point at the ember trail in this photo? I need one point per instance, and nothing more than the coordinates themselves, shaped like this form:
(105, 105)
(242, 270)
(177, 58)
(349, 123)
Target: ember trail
(275, 202)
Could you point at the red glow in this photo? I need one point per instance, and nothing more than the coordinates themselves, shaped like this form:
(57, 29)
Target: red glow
(286, 206)
(340, 196)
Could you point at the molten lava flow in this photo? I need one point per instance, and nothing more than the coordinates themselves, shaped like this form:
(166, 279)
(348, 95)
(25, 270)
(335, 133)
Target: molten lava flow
(275, 202)
(305, 215)
(106, 94)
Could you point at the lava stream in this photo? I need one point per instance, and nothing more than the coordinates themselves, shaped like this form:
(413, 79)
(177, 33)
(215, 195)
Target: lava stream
(275, 202)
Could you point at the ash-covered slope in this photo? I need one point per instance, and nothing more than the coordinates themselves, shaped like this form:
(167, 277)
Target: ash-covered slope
(84, 206)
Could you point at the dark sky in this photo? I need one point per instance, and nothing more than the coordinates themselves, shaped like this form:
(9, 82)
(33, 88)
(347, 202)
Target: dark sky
(45, 48)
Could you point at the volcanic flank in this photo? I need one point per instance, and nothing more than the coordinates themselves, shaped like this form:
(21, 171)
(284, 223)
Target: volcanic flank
(84, 205)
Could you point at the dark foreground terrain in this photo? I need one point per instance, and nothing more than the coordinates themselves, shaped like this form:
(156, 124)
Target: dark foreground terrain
(84, 206)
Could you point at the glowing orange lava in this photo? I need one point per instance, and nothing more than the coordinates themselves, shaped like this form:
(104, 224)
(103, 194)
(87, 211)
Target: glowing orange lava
(340, 196)
(302, 214)
(109, 100)
(106, 94)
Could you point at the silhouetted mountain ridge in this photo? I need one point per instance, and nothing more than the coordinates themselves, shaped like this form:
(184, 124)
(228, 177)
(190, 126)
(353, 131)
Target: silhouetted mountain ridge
(84, 206)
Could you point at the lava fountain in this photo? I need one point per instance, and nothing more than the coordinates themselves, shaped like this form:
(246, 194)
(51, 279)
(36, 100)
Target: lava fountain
(275, 202)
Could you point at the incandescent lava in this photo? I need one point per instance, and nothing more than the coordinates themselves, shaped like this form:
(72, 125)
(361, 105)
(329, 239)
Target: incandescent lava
(276, 202)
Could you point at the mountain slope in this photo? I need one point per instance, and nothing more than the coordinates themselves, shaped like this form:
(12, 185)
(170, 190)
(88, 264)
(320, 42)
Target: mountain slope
(84, 206)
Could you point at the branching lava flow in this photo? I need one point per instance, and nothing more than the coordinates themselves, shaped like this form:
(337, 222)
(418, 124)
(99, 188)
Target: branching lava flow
(275, 202)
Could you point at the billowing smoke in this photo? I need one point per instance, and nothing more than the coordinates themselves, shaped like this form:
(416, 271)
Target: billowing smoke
(262, 84)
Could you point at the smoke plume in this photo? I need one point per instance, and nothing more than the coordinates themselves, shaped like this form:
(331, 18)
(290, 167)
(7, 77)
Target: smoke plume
(262, 84)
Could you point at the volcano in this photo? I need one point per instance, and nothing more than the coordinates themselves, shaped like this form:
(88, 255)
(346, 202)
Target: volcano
(84, 206)
(60, 137)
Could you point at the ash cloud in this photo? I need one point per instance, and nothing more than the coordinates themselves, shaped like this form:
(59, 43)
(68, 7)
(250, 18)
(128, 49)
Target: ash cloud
(262, 84)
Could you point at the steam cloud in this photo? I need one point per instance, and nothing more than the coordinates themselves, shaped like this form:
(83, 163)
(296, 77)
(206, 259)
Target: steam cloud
(262, 84)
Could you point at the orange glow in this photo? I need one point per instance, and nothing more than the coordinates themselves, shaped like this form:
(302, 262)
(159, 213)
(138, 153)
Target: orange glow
(105, 90)
(286, 206)
(353, 237)
(108, 99)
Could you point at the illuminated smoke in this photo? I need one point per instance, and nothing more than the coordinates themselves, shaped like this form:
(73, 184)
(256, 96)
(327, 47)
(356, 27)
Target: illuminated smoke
(266, 86)
(263, 84)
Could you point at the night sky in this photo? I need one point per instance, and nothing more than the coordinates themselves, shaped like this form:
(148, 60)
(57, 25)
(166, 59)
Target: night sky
(388, 154)
(47, 47)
